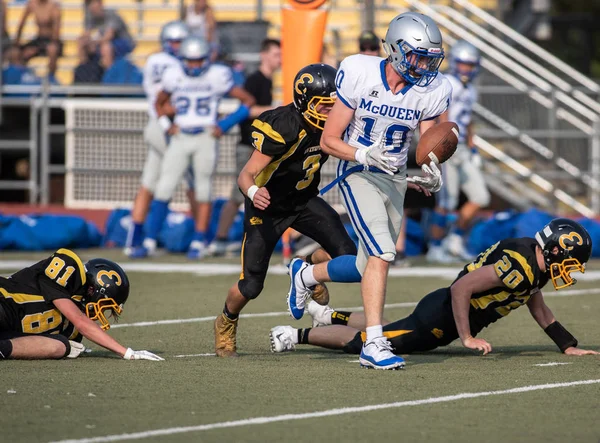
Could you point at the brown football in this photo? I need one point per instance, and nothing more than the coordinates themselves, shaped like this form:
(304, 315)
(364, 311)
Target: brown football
(437, 144)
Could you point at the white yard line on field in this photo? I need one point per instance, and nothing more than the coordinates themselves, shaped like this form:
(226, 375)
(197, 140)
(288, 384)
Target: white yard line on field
(176, 321)
(208, 269)
(257, 315)
(326, 413)
(195, 355)
(552, 363)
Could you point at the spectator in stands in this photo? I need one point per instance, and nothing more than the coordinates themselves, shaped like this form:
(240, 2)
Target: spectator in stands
(17, 72)
(47, 17)
(260, 86)
(369, 43)
(200, 20)
(106, 35)
(121, 72)
(90, 71)
(4, 38)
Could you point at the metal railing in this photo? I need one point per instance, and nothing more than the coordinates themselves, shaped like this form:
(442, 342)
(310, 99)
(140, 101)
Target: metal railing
(537, 89)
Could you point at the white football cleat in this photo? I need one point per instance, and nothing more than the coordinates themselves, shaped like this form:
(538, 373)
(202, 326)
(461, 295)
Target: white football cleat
(438, 254)
(197, 250)
(299, 293)
(321, 315)
(455, 245)
(282, 338)
(216, 248)
(377, 354)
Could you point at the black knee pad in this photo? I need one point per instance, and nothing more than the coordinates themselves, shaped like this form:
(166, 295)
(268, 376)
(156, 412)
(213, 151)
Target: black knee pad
(250, 288)
(64, 340)
(6, 348)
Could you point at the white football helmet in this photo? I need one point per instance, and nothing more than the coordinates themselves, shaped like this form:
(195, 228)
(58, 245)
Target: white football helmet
(174, 31)
(194, 49)
(464, 52)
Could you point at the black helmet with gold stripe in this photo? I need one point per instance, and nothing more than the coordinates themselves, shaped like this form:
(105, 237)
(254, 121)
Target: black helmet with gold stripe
(107, 291)
(567, 247)
(314, 93)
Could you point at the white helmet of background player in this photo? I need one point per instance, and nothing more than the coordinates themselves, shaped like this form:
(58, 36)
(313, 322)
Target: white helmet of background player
(171, 35)
(468, 56)
(194, 54)
(413, 44)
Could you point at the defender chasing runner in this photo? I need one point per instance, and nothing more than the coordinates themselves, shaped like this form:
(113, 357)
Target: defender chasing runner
(280, 182)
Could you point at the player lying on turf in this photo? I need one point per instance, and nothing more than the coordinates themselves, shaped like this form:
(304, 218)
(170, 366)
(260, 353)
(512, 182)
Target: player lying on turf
(507, 275)
(47, 308)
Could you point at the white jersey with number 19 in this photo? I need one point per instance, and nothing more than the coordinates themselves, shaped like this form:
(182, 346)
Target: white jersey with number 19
(362, 85)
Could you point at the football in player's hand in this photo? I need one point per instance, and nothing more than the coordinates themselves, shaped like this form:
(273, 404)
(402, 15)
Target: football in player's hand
(437, 144)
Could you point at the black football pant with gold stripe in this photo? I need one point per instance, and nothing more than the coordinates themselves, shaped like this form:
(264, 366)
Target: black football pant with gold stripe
(262, 231)
(429, 326)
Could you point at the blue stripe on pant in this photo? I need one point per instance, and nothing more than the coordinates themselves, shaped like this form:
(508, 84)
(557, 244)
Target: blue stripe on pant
(357, 220)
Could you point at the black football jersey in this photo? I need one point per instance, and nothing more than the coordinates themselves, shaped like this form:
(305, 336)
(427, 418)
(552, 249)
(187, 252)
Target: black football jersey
(26, 296)
(515, 263)
(293, 175)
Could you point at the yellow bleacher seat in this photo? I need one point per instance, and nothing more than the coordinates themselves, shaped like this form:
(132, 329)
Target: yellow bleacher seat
(344, 18)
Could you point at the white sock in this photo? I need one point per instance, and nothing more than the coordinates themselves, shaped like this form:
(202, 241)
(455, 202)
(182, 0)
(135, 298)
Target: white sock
(374, 332)
(295, 336)
(307, 276)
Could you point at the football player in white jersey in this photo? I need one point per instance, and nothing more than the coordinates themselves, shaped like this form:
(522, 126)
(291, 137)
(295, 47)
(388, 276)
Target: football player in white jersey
(380, 104)
(463, 170)
(193, 95)
(171, 36)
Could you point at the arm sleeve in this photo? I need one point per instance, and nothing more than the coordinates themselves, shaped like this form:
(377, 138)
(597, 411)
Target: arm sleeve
(346, 83)
(440, 101)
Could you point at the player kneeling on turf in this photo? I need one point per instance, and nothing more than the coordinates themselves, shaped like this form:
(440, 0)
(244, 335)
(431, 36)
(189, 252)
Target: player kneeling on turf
(47, 308)
(507, 275)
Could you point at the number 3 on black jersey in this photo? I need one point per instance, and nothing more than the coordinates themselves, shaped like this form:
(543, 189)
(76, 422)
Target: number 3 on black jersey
(55, 267)
(311, 164)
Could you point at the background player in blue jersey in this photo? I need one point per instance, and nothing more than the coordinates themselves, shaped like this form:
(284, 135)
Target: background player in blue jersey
(171, 36)
(193, 93)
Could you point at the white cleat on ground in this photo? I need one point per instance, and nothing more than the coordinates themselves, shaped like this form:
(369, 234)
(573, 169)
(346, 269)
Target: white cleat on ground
(321, 315)
(282, 338)
(377, 354)
(455, 245)
(197, 250)
(438, 254)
